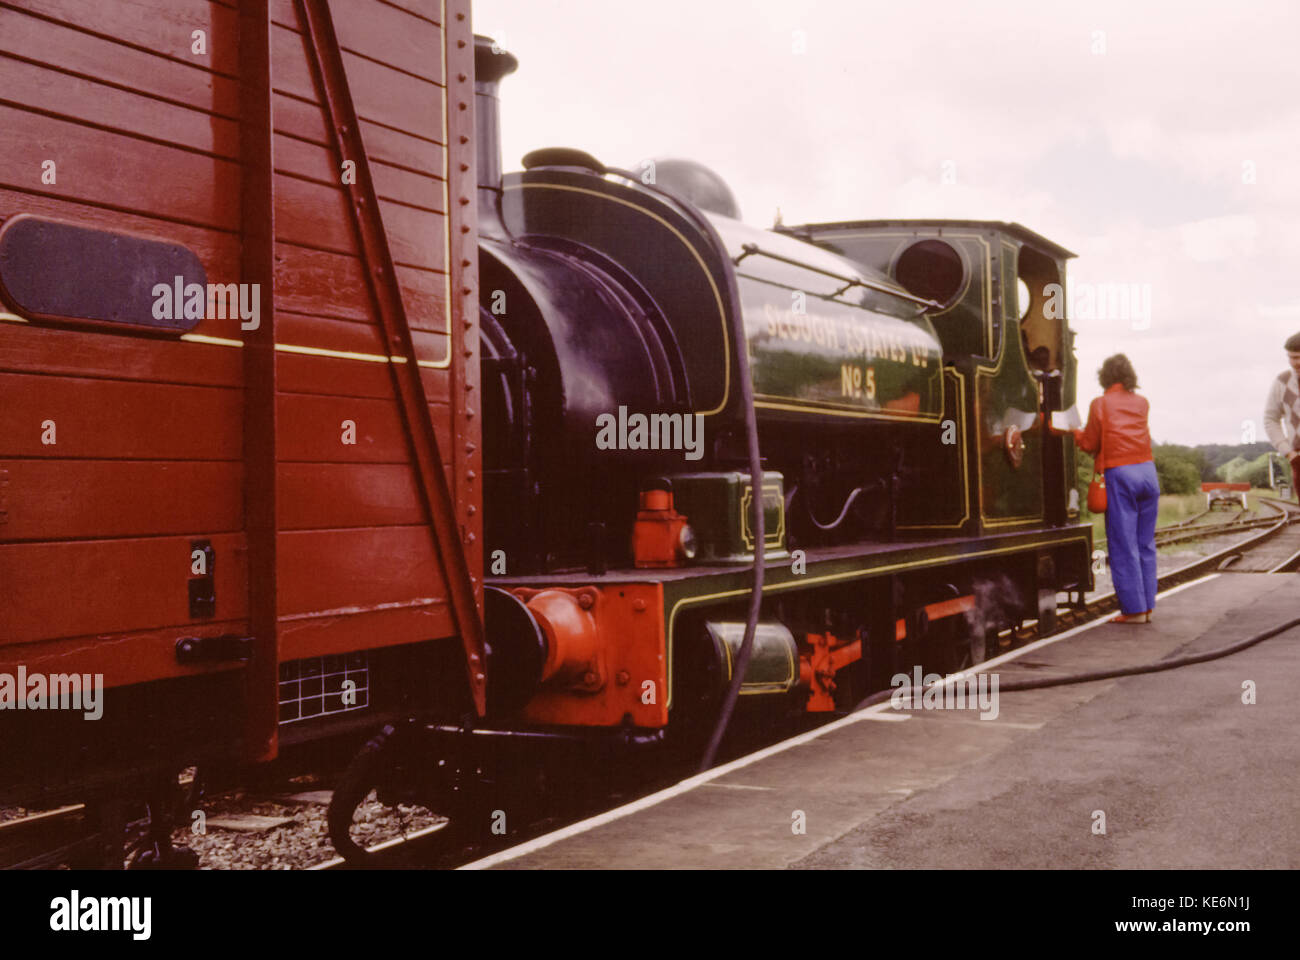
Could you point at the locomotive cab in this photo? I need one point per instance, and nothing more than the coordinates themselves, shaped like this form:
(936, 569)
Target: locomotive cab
(1007, 347)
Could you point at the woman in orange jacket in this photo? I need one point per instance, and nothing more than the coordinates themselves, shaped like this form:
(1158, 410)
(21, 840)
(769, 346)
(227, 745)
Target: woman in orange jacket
(1117, 427)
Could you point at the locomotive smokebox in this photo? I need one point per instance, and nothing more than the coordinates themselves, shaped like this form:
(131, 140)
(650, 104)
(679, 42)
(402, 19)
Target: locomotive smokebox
(491, 64)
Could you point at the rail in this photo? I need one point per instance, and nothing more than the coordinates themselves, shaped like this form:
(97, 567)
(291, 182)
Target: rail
(44, 839)
(1287, 514)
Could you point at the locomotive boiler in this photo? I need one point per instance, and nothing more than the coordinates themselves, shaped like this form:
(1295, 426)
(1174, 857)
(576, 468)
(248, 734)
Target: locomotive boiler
(601, 298)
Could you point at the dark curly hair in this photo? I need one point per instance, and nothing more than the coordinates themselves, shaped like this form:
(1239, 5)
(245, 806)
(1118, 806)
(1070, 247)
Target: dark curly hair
(1117, 369)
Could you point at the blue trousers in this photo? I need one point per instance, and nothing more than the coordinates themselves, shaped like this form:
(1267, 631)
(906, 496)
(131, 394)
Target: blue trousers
(1132, 502)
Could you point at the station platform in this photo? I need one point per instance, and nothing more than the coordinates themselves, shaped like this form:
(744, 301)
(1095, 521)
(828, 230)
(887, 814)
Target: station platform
(1186, 774)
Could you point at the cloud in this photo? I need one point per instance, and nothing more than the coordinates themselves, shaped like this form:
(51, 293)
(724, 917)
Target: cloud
(1156, 140)
(1220, 238)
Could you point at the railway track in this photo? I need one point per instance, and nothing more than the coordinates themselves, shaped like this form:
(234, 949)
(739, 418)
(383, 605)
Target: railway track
(48, 838)
(1278, 536)
(63, 835)
(1280, 554)
(1192, 519)
(1243, 519)
(1194, 528)
(1186, 530)
(1283, 527)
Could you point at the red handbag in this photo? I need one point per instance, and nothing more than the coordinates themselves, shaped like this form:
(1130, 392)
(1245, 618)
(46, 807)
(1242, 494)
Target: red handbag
(1097, 488)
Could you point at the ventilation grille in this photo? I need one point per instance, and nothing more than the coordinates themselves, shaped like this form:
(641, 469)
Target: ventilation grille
(322, 686)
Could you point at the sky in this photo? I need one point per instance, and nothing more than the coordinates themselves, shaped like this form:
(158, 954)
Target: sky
(1158, 141)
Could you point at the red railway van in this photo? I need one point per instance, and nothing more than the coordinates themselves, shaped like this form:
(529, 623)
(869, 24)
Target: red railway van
(239, 500)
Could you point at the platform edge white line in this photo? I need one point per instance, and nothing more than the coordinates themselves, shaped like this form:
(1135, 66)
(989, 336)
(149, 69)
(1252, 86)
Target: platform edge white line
(690, 783)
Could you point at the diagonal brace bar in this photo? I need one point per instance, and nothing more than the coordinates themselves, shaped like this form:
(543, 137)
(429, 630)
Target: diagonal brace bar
(326, 61)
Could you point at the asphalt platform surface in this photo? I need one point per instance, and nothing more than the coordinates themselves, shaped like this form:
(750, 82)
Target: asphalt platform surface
(1176, 767)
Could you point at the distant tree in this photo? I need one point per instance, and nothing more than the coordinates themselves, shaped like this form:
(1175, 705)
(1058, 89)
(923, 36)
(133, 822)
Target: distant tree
(1233, 470)
(1256, 472)
(1178, 471)
(1192, 455)
(1218, 454)
(1182, 469)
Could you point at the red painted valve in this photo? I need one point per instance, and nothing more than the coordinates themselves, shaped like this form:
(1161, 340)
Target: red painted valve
(661, 537)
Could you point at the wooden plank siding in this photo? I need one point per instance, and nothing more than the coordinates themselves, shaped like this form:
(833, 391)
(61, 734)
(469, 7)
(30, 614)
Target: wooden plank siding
(95, 529)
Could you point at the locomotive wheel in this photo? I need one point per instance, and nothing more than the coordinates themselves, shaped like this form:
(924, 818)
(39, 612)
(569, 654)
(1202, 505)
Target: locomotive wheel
(370, 787)
(955, 644)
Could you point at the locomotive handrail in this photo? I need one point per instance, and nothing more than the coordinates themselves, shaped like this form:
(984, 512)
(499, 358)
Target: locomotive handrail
(752, 249)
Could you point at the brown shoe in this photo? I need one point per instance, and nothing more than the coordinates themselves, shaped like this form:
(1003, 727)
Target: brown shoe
(1130, 618)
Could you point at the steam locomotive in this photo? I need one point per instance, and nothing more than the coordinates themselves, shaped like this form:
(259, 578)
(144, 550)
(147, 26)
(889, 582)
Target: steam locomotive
(913, 500)
(907, 466)
(540, 540)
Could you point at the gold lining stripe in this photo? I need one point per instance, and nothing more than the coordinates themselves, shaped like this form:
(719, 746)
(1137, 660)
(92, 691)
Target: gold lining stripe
(746, 498)
(830, 407)
(860, 573)
(832, 412)
(212, 341)
(310, 351)
(906, 235)
(755, 686)
(991, 372)
(281, 347)
(340, 354)
(965, 460)
(1015, 263)
(717, 296)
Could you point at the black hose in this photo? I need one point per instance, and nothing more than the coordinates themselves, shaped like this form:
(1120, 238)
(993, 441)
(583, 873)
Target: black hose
(1088, 677)
(760, 534)
(351, 789)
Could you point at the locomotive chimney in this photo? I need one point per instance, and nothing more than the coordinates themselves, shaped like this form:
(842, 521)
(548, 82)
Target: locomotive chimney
(490, 66)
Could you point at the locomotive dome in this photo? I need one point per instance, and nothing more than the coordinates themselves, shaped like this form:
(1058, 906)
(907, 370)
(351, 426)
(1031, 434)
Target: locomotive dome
(694, 182)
